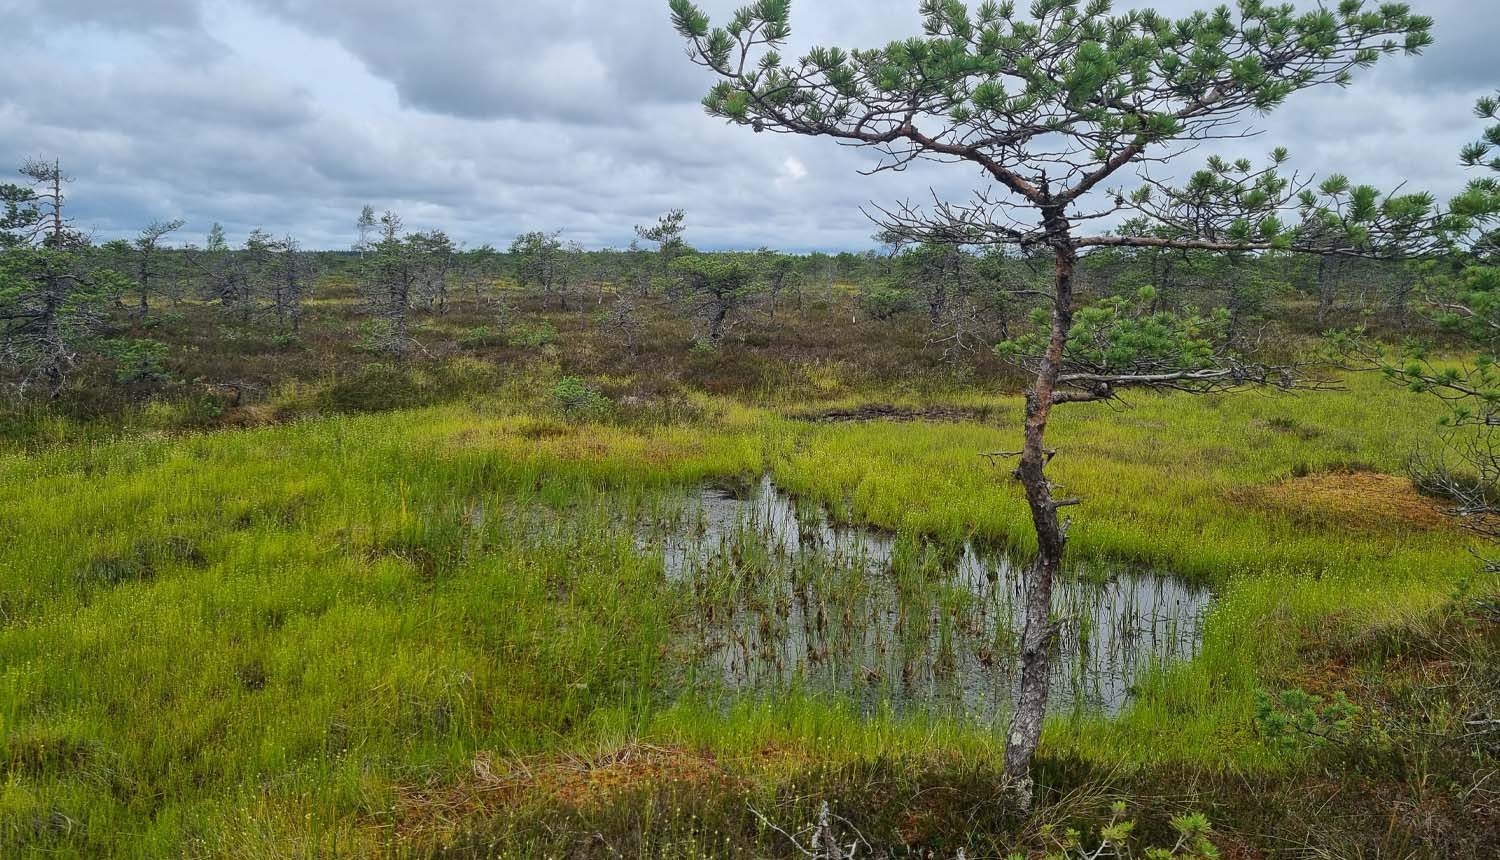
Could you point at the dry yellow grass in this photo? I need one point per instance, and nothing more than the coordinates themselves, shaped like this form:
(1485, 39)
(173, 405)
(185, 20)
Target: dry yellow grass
(1354, 499)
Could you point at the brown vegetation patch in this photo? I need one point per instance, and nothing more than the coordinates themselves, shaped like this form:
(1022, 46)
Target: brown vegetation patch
(494, 783)
(254, 415)
(1414, 774)
(1351, 499)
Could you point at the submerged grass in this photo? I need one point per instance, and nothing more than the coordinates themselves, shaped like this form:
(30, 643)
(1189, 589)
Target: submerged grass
(266, 642)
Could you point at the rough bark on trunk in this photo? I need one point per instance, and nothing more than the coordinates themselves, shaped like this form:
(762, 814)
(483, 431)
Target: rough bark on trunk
(53, 350)
(143, 274)
(58, 234)
(1025, 732)
(937, 302)
(1328, 284)
(716, 322)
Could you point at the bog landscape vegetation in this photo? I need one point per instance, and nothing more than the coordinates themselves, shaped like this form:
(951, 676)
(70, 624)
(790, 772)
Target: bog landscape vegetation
(411, 549)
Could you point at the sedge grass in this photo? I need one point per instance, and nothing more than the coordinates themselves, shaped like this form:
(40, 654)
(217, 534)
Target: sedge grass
(248, 643)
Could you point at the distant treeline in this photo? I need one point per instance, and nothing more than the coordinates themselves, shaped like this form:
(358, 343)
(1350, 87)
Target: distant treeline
(69, 305)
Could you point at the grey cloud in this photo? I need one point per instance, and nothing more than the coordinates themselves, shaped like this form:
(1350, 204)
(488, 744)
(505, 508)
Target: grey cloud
(579, 115)
(570, 61)
(1467, 33)
(139, 15)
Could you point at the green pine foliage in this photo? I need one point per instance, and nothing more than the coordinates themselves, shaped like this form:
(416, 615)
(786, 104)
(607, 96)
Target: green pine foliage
(1125, 335)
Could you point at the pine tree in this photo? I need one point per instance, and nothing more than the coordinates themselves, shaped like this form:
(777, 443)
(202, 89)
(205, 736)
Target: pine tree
(147, 262)
(667, 235)
(1464, 466)
(539, 262)
(364, 226)
(20, 216)
(389, 275)
(291, 284)
(53, 300)
(712, 287)
(1052, 105)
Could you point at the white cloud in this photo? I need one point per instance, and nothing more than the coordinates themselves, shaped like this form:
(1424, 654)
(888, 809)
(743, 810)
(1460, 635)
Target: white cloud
(488, 117)
(792, 171)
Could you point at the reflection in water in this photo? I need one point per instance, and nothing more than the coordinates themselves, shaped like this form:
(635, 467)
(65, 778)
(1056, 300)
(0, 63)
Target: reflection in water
(783, 598)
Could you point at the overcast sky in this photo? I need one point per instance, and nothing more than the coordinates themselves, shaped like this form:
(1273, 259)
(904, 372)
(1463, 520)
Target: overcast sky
(489, 117)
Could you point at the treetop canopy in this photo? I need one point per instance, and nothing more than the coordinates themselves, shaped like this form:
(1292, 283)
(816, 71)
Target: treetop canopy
(1053, 100)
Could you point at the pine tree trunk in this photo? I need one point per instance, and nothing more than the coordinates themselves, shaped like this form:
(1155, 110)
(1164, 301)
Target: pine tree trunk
(50, 336)
(57, 204)
(1025, 732)
(144, 307)
(716, 323)
(937, 302)
(1327, 288)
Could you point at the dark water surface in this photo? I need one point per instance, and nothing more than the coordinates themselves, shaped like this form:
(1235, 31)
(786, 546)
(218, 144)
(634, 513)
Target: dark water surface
(782, 598)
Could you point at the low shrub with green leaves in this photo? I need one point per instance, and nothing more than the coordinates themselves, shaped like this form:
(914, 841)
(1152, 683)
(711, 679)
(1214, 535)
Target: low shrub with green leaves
(483, 336)
(1296, 718)
(138, 360)
(531, 335)
(579, 400)
(1118, 840)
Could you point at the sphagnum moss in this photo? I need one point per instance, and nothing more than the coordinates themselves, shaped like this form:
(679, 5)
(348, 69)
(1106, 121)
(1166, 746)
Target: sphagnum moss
(248, 643)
